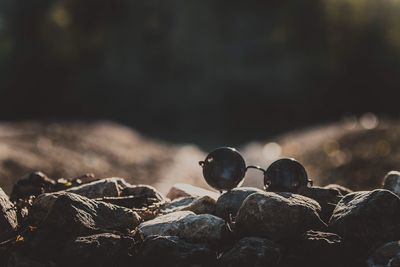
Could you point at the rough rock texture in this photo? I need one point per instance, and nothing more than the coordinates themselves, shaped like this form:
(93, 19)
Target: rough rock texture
(8, 217)
(229, 202)
(278, 217)
(327, 198)
(367, 219)
(186, 190)
(77, 215)
(343, 190)
(391, 182)
(102, 188)
(144, 191)
(198, 205)
(252, 251)
(203, 228)
(98, 250)
(387, 255)
(174, 251)
(32, 184)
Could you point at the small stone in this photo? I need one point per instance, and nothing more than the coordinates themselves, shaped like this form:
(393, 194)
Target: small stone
(101, 188)
(187, 190)
(32, 184)
(198, 205)
(203, 228)
(147, 193)
(8, 217)
(385, 255)
(327, 198)
(343, 190)
(252, 251)
(202, 205)
(174, 251)
(391, 182)
(176, 205)
(283, 216)
(229, 202)
(367, 219)
(98, 250)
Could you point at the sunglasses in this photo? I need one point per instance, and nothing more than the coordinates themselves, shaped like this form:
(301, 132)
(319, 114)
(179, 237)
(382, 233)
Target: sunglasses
(225, 168)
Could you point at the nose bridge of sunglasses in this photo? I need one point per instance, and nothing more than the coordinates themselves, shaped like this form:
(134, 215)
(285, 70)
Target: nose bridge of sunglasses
(255, 167)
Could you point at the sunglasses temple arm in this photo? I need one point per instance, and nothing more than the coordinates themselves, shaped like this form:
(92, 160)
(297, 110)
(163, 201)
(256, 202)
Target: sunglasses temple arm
(255, 167)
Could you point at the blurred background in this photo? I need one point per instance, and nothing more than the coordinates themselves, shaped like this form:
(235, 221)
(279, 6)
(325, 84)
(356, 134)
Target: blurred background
(207, 73)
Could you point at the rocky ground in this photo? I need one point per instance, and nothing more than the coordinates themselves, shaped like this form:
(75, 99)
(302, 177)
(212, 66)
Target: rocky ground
(75, 217)
(110, 222)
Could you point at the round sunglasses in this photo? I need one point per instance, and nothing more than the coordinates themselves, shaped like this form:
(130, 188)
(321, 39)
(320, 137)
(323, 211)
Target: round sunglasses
(225, 168)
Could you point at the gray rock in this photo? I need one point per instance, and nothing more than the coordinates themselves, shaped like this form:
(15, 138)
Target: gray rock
(174, 251)
(108, 187)
(367, 219)
(327, 198)
(203, 228)
(32, 184)
(283, 216)
(71, 215)
(82, 216)
(186, 190)
(229, 203)
(198, 205)
(202, 205)
(343, 190)
(391, 182)
(252, 251)
(149, 194)
(8, 217)
(98, 250)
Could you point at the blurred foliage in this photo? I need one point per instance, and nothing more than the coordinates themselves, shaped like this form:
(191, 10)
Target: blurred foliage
(196, 71)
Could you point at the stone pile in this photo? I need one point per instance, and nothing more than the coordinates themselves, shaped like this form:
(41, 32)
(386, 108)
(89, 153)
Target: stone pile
(109, 222)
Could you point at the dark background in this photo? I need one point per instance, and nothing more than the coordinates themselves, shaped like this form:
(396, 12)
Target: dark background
(207, 72)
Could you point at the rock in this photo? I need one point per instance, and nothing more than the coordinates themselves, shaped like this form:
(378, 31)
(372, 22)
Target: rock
(391, 182)
(386, 255)
(343, 190)
(176, 205)
(252, 251)
(148, 194)
(202, 205)
(327, 198)
(8, 217)
(280, 217)
(314, 248)
(174, 251)
(187, 190)
(198, 205)
(32, 184)
(78, 215)
(367, 219)
(108, 187)
(203, 228)
(229, 202)
(72, 215)
(98, 250)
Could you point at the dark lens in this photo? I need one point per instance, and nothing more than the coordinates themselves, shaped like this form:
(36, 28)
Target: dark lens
(285, 175)
(224, 168)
